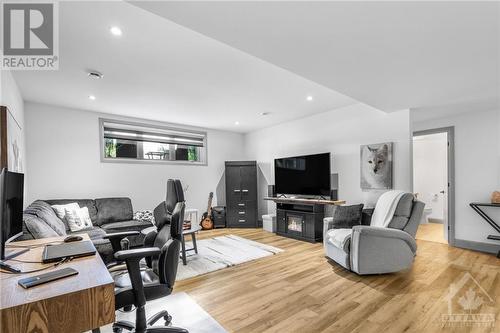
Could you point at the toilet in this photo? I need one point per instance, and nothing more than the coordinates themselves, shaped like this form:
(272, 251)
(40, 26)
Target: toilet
(425, 215)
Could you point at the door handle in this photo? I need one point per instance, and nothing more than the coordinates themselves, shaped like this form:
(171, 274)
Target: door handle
(442, 192)
(237, 191)
(241, 220)
(244, 191)
(241, 213)
(241, 204)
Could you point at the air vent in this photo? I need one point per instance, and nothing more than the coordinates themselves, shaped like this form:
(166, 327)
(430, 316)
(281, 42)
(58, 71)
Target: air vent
(95, 75)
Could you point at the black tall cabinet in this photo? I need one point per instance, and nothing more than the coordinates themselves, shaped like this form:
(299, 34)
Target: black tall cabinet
(241, 194)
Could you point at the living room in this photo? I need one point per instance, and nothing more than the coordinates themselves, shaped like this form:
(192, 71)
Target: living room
(280, 150)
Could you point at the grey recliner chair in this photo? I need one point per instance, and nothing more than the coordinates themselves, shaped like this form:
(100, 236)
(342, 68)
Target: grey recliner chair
(377, 250)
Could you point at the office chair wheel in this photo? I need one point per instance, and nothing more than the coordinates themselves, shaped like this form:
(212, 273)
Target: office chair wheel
(119, 326)
(157, 316)
(168, 320)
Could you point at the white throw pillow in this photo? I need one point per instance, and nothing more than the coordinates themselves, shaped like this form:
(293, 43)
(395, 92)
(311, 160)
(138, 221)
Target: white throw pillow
(78, 219)
(84, 215)
(60, 210)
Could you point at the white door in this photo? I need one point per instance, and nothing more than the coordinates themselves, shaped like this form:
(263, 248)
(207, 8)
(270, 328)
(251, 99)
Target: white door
(430, 167)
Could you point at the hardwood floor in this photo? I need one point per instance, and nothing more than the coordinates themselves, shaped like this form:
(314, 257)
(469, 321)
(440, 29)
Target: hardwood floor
(299, 290)
(432, 232)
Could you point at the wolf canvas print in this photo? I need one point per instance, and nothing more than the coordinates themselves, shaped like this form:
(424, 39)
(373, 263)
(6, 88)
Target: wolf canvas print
(376, 166)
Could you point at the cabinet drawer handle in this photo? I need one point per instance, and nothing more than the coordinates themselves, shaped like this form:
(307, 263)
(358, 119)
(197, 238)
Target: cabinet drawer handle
(241, 213)
(241, 204)
(241, 220)
(236, 191)
(244, 191)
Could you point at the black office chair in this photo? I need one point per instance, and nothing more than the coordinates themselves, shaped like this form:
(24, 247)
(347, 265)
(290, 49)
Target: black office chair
(175, 194)
(139, 284)
(162, 214)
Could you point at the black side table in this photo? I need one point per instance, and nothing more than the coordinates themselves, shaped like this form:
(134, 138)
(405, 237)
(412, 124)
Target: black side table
(476, 206)
(194, 229)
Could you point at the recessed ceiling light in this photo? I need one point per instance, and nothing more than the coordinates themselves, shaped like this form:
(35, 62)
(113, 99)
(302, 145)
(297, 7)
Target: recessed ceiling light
(92, 97)
(309, 98)
(236, 122)
(116, 31)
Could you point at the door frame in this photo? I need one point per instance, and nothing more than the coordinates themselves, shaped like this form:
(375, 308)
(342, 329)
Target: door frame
(450, 131)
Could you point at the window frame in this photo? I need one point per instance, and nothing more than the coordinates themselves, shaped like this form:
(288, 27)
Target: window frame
(104, 159)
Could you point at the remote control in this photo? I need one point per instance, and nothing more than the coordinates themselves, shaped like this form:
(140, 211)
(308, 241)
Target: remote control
(47, 277)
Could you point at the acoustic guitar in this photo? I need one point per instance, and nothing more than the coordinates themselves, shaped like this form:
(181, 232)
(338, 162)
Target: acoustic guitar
(206, 221)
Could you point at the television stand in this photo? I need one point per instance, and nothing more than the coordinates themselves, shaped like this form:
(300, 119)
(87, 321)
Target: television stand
(301, 218)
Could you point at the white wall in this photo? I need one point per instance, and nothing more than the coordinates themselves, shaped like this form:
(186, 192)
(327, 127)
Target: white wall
(10, 96)
(477, 168)
(498, 145)
(64, 162)
(340, 132)
(430, 171)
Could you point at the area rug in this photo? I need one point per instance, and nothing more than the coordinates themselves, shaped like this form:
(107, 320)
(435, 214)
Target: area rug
(222, 252)
(185, 312)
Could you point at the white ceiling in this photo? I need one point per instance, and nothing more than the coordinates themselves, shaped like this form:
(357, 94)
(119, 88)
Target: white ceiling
(391, 55)
(162, 71)
(211, 64)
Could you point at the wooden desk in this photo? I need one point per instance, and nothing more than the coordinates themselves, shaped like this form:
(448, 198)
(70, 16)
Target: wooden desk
(74, 304)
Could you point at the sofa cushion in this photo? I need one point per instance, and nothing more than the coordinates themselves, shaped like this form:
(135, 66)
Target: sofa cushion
(131, 225)
(90, 204)
(43, 211)
(403, 212)
(346, 216)
(94, 233)
(111, 210)
(37, 227)
(27, 235)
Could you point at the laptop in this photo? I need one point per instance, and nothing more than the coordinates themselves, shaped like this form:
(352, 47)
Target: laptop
(54, 253)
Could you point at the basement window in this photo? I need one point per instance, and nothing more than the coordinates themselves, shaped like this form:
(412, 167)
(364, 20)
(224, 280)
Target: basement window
(144, 143)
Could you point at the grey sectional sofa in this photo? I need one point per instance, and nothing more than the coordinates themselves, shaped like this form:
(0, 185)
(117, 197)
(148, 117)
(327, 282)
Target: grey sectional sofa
(108, 215)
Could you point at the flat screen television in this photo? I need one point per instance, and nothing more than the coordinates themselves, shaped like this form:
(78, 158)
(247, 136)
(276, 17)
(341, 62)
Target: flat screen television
(307, 175)
(11, 207)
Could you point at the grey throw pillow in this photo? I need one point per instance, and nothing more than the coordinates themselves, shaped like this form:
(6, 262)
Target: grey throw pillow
(37, 227)
(347, 216)
(43, 211)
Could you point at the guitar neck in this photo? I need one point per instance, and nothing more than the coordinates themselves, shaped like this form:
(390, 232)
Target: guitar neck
(209, 206)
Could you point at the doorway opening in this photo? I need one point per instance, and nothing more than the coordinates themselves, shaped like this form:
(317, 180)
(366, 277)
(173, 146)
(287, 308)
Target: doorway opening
(433, 168)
